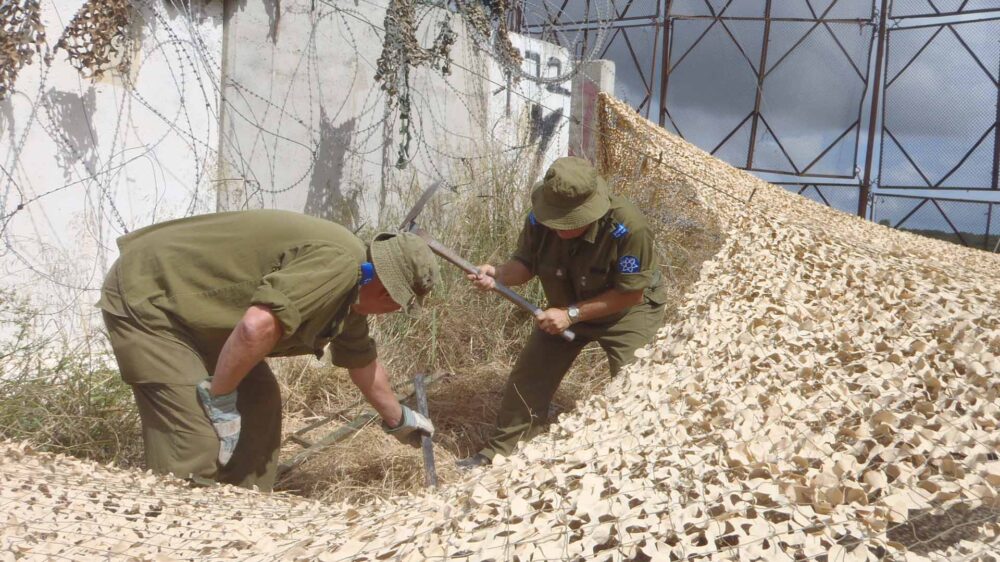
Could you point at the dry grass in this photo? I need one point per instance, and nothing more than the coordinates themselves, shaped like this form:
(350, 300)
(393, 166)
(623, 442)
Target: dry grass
(472, 337)
(65, 396)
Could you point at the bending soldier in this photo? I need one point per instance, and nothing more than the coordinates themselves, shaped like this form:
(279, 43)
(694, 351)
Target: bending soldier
(193, 307)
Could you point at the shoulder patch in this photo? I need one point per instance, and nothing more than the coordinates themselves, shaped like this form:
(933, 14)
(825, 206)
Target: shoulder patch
(629, 264)
(531, 219)
(619, 231)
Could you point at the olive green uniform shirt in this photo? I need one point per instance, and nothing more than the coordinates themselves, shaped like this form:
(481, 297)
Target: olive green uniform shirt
(192, 279)
(616, 252)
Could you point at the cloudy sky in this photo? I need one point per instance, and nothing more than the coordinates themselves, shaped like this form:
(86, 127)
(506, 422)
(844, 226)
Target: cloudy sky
(938, 107)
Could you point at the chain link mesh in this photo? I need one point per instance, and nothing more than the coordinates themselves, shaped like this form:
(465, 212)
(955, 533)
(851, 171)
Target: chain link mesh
(940, 110)
(841, 197)
(907, 8)
(970, 223)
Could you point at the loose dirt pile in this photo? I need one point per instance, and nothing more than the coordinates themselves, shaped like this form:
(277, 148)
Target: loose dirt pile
(829, 390)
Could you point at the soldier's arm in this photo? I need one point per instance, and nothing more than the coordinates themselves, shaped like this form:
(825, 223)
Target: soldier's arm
(607, 303)
(518, 270)
(556, 320)
(512, 274)
(248, 344)
(373, 382)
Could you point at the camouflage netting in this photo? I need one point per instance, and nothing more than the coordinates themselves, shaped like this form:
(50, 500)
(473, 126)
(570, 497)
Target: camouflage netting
(829, 391)
(100, 38)
(22, 36)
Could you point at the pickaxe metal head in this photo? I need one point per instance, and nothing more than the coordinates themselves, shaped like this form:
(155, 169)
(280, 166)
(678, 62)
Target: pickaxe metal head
(411, 217)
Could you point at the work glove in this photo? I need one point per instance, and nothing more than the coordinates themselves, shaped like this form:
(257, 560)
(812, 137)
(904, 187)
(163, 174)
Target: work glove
(411, 425)
(225, 418)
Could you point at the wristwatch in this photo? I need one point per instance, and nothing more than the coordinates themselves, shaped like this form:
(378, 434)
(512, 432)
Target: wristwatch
(573, 312)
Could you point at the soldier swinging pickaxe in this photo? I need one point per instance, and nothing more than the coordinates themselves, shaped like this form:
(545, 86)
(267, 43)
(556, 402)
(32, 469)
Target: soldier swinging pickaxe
(409, 224)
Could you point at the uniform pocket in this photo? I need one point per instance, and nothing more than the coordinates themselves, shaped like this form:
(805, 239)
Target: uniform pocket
(657, 296)
(594, 282)
(556, 284)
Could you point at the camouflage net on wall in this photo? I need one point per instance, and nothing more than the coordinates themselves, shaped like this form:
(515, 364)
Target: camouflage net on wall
(99, 38)
(482, 16)
(401, 51)
(22, 38)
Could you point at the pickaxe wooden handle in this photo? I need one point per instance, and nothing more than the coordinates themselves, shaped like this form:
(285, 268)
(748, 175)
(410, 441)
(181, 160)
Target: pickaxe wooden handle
(498, 287)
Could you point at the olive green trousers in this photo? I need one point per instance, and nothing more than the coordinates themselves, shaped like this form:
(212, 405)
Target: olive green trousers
(178, 437)
(545, 360)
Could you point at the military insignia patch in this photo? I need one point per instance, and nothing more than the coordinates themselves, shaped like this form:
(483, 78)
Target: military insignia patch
(629, 264)
(531, 219)
(619, 231)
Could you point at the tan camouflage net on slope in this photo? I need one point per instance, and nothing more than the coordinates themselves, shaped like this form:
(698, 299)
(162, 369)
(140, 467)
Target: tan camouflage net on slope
(830, 392)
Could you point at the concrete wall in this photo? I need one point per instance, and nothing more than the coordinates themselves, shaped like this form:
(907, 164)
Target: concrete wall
(306, 126)
(85, 161)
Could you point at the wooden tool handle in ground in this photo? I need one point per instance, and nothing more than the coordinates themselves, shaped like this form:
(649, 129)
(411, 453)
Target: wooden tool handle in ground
(498, 287)
(430, 473)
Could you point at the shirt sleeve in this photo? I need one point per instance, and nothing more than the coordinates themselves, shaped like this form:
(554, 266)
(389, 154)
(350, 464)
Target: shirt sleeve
(307, 289)
(353, 347)
(526, 241)
(634, 272)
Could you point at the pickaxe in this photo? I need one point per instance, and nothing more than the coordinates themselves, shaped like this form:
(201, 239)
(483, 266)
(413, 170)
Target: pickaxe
(409, 224)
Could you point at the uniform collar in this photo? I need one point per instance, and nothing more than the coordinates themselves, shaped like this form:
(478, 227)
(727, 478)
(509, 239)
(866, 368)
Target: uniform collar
(591, 234)
(595, 227)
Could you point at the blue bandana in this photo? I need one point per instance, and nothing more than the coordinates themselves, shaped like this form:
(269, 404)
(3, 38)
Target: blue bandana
(367, 273)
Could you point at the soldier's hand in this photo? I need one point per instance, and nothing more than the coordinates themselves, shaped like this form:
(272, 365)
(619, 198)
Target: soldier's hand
(226, 420)
(553, 320)
(411, 426)
(484, 280)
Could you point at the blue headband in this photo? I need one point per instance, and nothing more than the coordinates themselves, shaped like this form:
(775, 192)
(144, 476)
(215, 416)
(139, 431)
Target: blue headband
(367, 273)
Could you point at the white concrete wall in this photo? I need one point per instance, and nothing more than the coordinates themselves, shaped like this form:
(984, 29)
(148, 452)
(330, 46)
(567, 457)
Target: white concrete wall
(306, 126)
(529, 112)
(85, 160)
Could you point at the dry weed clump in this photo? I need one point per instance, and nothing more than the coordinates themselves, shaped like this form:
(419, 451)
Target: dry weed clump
(64, 396)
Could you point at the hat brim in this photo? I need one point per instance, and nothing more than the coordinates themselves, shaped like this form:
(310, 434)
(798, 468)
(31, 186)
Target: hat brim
(577, 217)
(387, 257)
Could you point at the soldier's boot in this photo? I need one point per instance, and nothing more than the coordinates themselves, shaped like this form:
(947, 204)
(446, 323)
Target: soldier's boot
(474, 461)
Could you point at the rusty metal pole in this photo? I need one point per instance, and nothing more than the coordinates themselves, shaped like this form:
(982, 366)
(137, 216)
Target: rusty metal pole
(665, 65)
(996, 144)
(761, 71)
(989, 221)
(427, 446)
(866, 183)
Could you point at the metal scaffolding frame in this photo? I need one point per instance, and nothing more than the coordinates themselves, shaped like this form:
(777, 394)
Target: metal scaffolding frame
(881, 22)
(986, 78)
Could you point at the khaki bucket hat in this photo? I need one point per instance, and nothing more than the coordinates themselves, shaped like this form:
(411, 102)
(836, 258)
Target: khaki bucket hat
(572, 195)
(405, 265)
